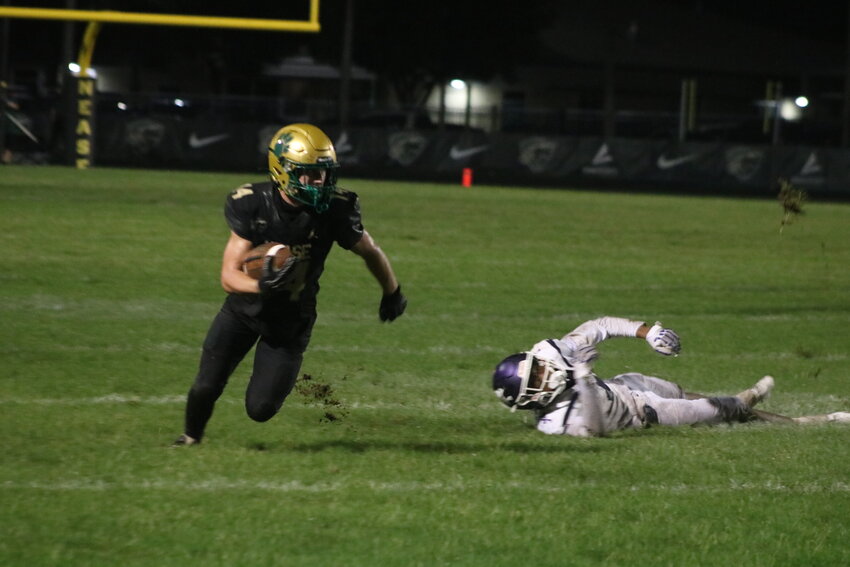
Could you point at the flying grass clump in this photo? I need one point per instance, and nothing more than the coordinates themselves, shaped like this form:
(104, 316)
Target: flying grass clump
(323, 395)
(792, 200)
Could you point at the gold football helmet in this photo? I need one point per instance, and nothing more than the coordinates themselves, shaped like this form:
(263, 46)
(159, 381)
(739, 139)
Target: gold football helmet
(302, 163)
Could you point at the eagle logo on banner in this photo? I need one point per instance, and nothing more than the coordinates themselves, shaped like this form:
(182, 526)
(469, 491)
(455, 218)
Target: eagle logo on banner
(743, 162)
(406, 147)
(536, 153)
(144, 136)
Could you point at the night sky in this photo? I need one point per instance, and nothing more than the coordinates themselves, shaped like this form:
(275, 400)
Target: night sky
(39, 42)
(536, 47)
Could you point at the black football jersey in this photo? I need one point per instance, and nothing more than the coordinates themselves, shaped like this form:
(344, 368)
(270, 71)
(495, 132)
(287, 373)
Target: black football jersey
(258, 213)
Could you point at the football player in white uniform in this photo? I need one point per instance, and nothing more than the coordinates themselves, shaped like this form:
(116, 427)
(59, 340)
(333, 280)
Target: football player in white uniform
(555, 379)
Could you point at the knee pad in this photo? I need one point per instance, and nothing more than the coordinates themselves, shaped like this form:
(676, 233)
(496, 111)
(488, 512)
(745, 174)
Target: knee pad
(732, 409)
(261, 411)
(650, 416)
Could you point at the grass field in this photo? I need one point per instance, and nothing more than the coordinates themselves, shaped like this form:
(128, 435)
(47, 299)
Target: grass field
(110, 279)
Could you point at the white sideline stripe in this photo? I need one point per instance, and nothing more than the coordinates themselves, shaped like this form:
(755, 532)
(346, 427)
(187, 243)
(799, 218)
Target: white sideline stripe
(219, 485)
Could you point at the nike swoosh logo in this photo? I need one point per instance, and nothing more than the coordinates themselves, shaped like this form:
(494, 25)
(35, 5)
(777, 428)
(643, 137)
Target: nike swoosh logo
(666, 163)
(463, 153)
(342, 145)
(196, 142)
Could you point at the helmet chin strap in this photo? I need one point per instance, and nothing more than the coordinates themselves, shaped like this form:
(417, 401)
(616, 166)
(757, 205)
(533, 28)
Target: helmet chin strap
(286, 196)
(293, 194)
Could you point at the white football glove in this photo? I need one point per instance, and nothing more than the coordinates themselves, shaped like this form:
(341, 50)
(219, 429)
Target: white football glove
(663, 341)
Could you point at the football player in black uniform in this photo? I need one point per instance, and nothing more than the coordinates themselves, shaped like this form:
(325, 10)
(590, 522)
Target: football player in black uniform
(303, 208)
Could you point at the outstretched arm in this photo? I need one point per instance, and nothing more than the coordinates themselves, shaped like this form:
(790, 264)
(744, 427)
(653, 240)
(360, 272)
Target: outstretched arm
(662, 340)
(377, 262)
(393, 302)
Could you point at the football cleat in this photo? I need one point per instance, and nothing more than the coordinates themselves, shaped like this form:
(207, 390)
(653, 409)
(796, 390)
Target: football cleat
(185, 441)
(302, 163)
(758, 393)
(839, 417)
(834, 417)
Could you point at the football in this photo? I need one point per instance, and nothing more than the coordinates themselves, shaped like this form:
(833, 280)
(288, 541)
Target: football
(252, 264)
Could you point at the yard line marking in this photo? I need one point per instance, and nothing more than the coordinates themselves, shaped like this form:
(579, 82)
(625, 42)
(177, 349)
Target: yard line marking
(118, 399)
(105, 349)
(800, 403)
(443, 350)
(105, 399)
(221, 485)
(826, 357)
(436, 349)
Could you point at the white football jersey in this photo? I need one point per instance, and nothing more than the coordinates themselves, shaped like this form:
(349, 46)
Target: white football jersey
(567, 415)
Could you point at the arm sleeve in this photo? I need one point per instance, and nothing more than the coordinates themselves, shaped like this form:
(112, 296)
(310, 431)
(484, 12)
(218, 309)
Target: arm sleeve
(348, 226)
(597, 330)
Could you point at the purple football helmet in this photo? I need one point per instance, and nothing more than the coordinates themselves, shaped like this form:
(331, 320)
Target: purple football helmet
(511, 381)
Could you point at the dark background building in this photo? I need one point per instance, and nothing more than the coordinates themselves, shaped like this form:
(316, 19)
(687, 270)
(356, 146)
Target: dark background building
(667, 71)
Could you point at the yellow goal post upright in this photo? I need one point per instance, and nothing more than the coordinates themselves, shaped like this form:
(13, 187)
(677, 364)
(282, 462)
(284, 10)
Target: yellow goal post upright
(81, 119)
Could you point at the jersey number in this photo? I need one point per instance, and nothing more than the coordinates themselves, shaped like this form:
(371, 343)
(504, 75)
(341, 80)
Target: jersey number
(242, 192)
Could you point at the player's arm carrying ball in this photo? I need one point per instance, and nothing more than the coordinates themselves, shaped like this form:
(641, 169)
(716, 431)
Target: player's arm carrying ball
(269, 267)
(233, 277)
(271, 264)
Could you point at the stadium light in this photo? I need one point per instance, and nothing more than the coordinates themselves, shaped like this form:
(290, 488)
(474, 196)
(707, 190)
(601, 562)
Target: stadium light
(801, 101)
(789, 110)
(122, 106)
(458, 84)
(75, 70)
(179, 102)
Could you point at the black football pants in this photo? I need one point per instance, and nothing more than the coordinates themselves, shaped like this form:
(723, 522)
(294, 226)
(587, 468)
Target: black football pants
(276, 367)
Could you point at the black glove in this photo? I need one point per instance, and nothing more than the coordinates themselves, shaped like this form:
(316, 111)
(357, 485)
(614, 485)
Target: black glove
(272, 281)
(392, 305)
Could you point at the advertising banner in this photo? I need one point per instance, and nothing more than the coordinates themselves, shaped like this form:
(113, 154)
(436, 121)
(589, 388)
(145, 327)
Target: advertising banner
(209, 143)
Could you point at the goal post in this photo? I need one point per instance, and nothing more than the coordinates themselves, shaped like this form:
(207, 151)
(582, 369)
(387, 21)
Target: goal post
(81, 88)
(108, 16)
